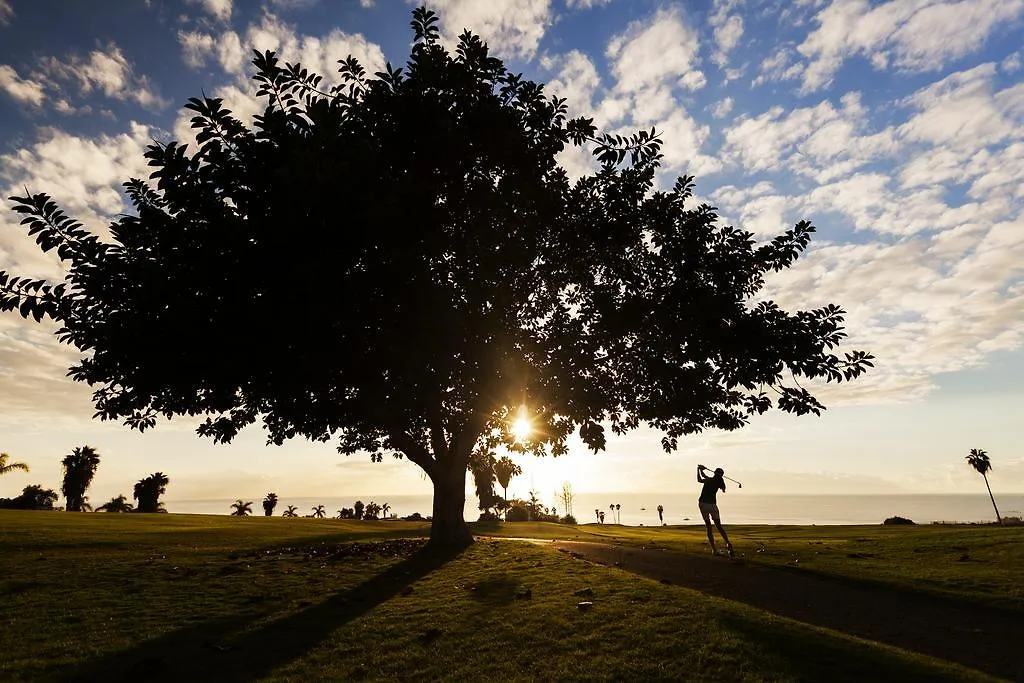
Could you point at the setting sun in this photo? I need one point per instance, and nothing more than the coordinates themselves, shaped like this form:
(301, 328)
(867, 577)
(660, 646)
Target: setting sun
(521, 427)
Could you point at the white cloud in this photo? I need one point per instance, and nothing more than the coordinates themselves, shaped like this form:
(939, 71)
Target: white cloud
(722, 108)
(915, 35)
(728, 29)
(576, 80)
(511, 28)
(302, 4)
(1012, 63)
(6, 12)
(585, 4)
(107, 71)
(663, 50)
(24, 90)
(220, 9)
(780, 66)
(196, 47)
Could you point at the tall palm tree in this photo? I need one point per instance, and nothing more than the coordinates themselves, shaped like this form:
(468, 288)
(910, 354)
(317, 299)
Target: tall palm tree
(241, 509)
(978, 459)
(117, 504)
(600, 517)
(319, 512)
(385, 509)
(148, 491)
(661, 514)
(597, 513)
(618, 513)
(290, 511)
(6, 467)
(504, 470)
(79, 468)
(611, 510)
(269, 503)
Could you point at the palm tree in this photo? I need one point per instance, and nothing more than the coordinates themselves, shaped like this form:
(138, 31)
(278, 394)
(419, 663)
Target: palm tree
(290, 511)
(269, 503)
(504, 470)
(6, 467)
(978, 459)
(384, 509)
(611, 508)
(600, 517)
(319, 512)
(597, 513)
(241, 509)
(148, 491)
(117, 504)
(661, 514)
(79, 468)
(618, 514)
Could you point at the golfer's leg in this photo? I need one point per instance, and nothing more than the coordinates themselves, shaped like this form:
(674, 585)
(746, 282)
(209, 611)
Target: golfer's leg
(707, 525)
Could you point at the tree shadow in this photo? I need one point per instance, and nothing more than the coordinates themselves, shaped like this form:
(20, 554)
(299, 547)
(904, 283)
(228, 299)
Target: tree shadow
(222, 650)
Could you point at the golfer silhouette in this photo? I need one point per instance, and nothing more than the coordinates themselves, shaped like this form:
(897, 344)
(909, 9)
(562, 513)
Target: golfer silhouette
(709, 505)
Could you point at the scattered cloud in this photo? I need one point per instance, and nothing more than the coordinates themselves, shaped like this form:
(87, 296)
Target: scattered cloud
(104, 70)
(728, 29)
(1012, 63)
(512, 28)
(219, 9)
(663, 51)
(585, 4)
(923, 35)
(24, 90)
(722, 108)
(6, 12)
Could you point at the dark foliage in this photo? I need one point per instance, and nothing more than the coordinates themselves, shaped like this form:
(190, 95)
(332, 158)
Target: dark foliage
(79, 468)
(398, 262)
(33, 497)
(148, 491)
(898, 520)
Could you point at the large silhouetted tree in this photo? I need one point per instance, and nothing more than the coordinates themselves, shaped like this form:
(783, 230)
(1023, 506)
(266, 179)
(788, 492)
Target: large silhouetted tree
(79, 468)
(148, 491)
(979, 460)
(269, 503)
(399, 263)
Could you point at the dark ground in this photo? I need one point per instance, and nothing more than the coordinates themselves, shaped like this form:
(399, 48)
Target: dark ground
(983, 638)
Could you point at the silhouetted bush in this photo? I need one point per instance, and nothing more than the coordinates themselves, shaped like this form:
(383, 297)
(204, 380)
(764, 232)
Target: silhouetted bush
(415, 517)
(488, 517)
(899, 520)
(568, 519)
(33, 497)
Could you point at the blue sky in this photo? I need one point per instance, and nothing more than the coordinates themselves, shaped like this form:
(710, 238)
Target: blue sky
(896, 127)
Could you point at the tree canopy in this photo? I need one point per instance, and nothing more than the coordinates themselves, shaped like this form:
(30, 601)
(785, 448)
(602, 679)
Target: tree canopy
(398, 263)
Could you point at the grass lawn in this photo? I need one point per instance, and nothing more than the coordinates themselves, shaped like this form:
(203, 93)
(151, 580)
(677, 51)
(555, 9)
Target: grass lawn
(182, 597)
(978, 563)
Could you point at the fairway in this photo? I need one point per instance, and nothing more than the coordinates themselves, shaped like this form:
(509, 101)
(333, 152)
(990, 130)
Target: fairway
(176, 597)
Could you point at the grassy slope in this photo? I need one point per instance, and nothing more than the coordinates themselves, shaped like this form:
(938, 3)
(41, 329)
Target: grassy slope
(173, 597)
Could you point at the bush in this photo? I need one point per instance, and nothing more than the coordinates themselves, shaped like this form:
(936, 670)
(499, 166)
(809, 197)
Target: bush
(415, 517)
(899, 520)
(488, 517)
(568, 519)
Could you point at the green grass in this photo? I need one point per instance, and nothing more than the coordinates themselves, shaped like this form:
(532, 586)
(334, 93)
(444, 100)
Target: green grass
(177, 597)
(982, 564)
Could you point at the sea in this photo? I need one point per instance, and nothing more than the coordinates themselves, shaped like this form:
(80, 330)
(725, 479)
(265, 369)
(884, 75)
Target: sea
(641, 509)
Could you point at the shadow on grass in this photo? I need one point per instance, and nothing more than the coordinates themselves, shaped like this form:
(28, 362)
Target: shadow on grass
(812, 656)
(223, 650)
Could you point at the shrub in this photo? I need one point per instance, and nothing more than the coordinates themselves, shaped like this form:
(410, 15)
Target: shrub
(568, 519)
(899, 520)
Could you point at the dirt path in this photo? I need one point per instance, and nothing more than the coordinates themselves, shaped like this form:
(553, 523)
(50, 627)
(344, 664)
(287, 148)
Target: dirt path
(986, 639)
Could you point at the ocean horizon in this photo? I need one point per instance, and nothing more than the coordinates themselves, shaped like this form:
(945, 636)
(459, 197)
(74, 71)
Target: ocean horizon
(640, 509)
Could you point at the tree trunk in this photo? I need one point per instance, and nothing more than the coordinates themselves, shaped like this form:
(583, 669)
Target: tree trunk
(998, 518)
(448, 529)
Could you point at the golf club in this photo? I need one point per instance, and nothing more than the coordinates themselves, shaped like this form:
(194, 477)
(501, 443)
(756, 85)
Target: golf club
(723, 476)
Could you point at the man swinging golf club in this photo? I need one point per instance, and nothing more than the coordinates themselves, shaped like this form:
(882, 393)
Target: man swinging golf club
(709, 505)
